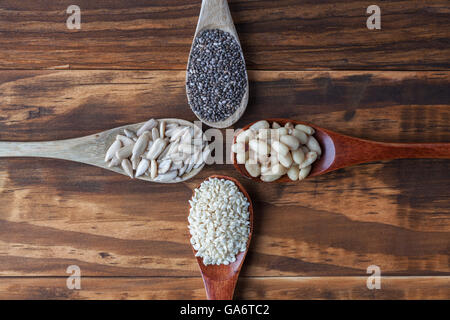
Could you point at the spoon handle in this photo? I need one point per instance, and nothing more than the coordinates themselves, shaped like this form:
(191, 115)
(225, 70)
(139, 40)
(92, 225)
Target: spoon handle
(79, 149)
(220, 289)
(350, 151)
(215, 14)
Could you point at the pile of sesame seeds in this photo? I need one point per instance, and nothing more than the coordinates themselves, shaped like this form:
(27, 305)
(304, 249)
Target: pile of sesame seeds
(216, 76)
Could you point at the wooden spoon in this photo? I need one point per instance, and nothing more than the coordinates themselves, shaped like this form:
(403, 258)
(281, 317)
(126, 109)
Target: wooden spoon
(215, 14)
(90, 149)
(339, 151)
(220, 280)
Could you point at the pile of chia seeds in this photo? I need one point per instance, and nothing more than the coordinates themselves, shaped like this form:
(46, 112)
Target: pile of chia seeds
(216, 76)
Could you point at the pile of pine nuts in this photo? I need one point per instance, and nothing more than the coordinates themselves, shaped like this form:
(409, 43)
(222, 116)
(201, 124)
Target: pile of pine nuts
(270, 152)
(165, 152)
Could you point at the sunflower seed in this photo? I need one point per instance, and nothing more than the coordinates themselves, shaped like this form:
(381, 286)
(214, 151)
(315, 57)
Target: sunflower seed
(155, 134)
(125, 152)
(310, 158)
(153, 169)
(156, 149)
(141, 145)
(125, 140)
(143, 167)
(126, 166)
(167, 176)
(164, 166)
(149, 125)
(112, 150)
(130, 134)
(162, 129)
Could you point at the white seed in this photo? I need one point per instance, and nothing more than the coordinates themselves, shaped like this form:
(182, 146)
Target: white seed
(253, 169)
(149, 125)
(305, 128)
(289, 125)
(169, 176)
(293, 173)
(140, 145)
(262, 158)
(126, 166)
(125, 152)
(264, 134)
(305, 149)
(263, 124)
(156, 149)
(238, 147)
(164, 166)
(298, 156)
(190, 167)
(245, 136)
(205, 154)
(292, 142)
(304, 172)
(188, 148)
(279, 169)
(282, 131)
(155, 134)
(125, 140)
(114, 162)
(259, 146)
(310, 158)
(116, 145)
(130, 134)
(142, 167)
(183, 169)
(171, 125)
(279, 147)
(270, 178)
(300, 135)
(242, 157)
(177, 165)
(285, 159)
(186, 138)
(266, 169)
(162, 129)
(313, 145)
(153, 169)
(275, 125)
(179, 133)
(135, 163)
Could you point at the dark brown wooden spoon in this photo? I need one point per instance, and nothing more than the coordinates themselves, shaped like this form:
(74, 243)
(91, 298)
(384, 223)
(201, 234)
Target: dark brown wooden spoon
(220, 280)
(340, 151)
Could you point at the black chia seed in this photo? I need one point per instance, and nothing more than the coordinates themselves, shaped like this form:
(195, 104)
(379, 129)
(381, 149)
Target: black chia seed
(216, 77)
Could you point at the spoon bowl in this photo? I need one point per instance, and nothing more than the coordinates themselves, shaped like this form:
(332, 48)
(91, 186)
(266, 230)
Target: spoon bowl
(340, 151)
(220, 280)
(89, 149)
(215, 14)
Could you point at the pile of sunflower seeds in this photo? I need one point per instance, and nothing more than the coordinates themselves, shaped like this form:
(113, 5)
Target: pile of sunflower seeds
(162, 151)
(216, 76)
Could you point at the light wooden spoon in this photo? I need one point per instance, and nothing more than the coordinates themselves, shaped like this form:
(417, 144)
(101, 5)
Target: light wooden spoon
(90, 149)
(340, 151)
(220, 280)
(215, 14)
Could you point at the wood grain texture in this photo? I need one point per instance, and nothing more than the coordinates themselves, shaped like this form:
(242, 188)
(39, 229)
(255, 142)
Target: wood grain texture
(410, 288)
(391, 214)
(275, 35)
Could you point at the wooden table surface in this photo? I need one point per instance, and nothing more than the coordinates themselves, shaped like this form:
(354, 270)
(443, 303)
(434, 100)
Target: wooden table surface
(307, 60)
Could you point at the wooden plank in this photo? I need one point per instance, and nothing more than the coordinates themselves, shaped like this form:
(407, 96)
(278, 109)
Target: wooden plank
(391, 214)
(410, 288)
(276, 35)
